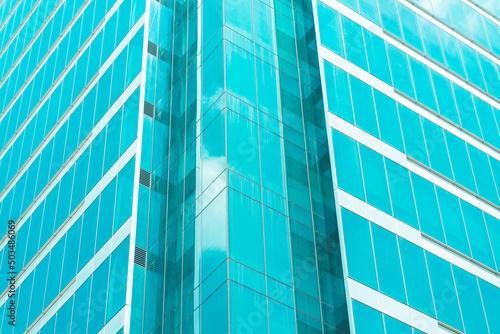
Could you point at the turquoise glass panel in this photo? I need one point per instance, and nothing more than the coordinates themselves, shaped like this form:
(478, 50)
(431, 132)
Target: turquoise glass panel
(364, 106)
(366, 319)
(348, 165)
(418, 288)
(443, 288)
(427, 207)
(246, 228)
(354, 43)
(387, 114)
(329, 27)
(490, 295)
(403, 203)
(470, 301)
(390, 276)
(374, 175)
(359, 252)
(436, 148)
(338, 92)
(477, 233)
(413, 135)
(453, 222)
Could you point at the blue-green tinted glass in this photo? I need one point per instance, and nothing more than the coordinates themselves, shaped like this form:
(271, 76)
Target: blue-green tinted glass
(377, 193)
(348, 166)
(364, 106)
(402, 199)
(359, 252)
(443, 287)
(388, 263)
(470, 301)
(367, 320)
(416, 278)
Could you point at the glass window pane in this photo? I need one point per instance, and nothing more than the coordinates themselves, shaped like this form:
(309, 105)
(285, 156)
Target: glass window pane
(416, 277)
(377, 56)
(390, 276)
(413, 135)
(369, 9)
(366, 319)
(395, 326)
(387, 114)
(444, 94)
(467, 111)
(240, 64)
(338, 92)
(482, 174)
(460, 163)
(491, 295)
(436, 148)
(487, 121)
(354, 43)
(364, 107)
(431, 41)
(390, 21)
(359, 252)
(347, 165)
(411, 30)
(243, 146)
(453, 223)
(400, 70)
(478, 235)
(470, 301)
(423, 86)
(277, 246)
(330, 32)
(443, 287)
(377, 193)
(400, 188)
(427, 207)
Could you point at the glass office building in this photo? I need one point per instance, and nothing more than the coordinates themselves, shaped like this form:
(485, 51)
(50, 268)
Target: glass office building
(250, 166)
(413, 96)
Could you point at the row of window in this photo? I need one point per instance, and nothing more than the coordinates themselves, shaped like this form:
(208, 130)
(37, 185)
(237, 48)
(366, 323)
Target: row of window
(76, 78)
(95, 161)
(29, 28)
(53, 211)
(455, 55)
(490, 5)
(95, 302)
(36, 53)
(42, 43)
(467, 21)
(370, 321)
(440, 46)
(411, 77)
(417, 202)
(409, 132)
(5, 9)
(74, 250)
(422, 280)
(88, 113)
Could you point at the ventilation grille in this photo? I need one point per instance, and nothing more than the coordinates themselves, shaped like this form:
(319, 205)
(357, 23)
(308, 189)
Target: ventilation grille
(145, 178)
(140, 257)
(157, 266)
(160, 186)
(152, 48)
(149, 109)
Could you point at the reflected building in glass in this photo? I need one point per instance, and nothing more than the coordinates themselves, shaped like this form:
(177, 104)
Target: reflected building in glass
(250, 166)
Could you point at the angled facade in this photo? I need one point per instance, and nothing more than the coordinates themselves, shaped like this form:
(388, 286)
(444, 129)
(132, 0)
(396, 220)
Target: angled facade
(249, 166)
(412, 91)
